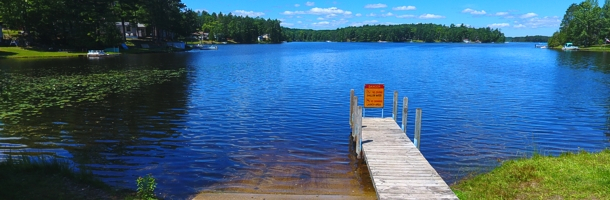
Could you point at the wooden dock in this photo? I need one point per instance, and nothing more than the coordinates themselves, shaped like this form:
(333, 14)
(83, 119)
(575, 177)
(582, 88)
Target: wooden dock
(397, 167)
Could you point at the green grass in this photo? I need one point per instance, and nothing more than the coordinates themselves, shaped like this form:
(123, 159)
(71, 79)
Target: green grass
(569, 176)
(24, 177)
(596, 48)
(18, 52)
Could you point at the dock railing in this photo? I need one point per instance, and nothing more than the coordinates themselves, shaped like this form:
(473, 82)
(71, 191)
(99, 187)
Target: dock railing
(355, 119)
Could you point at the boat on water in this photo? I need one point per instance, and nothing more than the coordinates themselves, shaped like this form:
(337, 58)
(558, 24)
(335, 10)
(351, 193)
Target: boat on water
(542, 46)
(206, 47)
(569, 47)
(96, 53)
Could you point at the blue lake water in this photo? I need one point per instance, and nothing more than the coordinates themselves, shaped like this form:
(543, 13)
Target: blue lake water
(274, 118)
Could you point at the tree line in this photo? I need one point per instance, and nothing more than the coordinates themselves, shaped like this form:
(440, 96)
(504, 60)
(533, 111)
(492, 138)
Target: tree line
(91, 23)
(584, 24)
(241, 29)
(535, 38)
(398, 33)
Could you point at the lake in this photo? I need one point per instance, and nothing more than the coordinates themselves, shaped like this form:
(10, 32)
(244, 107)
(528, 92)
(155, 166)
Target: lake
(274, 118)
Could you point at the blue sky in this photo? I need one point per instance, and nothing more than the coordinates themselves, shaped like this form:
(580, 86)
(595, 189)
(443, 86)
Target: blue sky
(514, 18)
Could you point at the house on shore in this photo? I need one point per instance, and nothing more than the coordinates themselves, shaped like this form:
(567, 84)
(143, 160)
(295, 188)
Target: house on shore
(262, 38)
(132, 30)
(200, 35)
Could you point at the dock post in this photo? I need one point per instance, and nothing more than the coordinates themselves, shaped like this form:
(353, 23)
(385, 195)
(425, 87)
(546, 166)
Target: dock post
(354, 117)
(405, 106)
(359, 132)
(417, 127)
(351, 107)
(395, 106)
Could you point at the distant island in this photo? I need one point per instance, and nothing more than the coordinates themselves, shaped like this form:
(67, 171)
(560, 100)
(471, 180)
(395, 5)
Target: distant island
(535, 38)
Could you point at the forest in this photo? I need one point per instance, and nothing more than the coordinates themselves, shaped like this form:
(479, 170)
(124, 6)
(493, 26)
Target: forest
(398, 33)
(240, 29)
(534, 38)
(94, 23)
(584, 24)
(91, 23)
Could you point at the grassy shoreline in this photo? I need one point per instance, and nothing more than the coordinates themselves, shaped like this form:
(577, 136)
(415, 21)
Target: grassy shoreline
(598, 48)
(579, 175)
(18, 52)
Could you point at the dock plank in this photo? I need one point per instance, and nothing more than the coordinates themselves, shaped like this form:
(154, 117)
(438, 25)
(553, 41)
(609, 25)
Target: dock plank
(398, 169)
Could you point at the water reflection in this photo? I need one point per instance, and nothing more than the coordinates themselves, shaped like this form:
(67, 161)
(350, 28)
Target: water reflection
(595, 61)
(273, 118)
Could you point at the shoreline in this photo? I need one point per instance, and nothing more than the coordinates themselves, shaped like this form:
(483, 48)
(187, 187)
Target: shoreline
(579, 175)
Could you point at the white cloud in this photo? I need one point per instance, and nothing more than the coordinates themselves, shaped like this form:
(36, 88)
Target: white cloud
(405, 16)
(293, 13)
(404, 8)
(474, 12)
(297, 5)
(482, 12)
(498, 25)
(537, 22)
(299, 22)
(358, 15)
(319, 11)
(529, 15)
(321, 23)
(365, 22)
(501, 14)
(431, 16)
(248, 13)
(325, 11)
(379, 5)
(309, 3)
(286, 24)
(333, 23)
(389, 14)
(320, 18)
(467, 10)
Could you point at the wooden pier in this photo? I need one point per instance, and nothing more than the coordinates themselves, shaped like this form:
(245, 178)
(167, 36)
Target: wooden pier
(397, 167)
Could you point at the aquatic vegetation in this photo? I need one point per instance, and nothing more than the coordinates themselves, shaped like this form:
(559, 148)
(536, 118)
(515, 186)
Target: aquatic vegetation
(24, 96)
(146, 187)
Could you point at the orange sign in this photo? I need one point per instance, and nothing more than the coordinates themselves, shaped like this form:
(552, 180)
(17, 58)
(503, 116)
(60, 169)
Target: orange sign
(373, 95)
